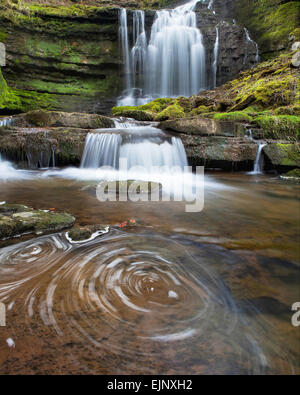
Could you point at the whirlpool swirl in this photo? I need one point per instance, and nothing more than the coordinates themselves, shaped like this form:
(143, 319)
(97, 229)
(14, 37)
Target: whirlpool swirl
(128, 302)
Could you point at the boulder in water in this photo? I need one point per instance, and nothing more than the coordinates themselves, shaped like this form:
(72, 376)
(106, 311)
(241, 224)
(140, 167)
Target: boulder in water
(17, 219)
(80, 234)
(130, 186)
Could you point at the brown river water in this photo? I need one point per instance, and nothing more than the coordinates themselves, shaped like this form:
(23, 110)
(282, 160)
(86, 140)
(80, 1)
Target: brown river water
(179, 293)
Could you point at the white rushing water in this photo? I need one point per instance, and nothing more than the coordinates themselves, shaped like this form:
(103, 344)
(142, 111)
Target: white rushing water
(9, 172)
(172, 63)
(215, 61)
(143, 146)
(253, 43)
(5, 121)
(259, 161)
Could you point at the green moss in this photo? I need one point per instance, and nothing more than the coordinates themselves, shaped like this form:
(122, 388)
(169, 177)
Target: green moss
(171, 112)
(201, 110)
(295, 173)
(288, 110)
(133, 112)
(270, 21)
(156, 105)
(233, 116)
(281, 126)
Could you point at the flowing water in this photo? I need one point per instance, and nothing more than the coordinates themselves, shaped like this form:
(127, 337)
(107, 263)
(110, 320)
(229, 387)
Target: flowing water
(208, 292)
(259, 160)
(171, 64)
(251, 42)
(215, 61)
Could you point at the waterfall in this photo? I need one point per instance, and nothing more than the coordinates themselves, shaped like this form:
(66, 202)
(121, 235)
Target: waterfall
(8, 171)
(259, 161)
(210, 4)
(139, 50)
(172, 63)
(249, 40)
(141, 146)
(5, 121)
(101, 150)
(215, 61)
(123, 33)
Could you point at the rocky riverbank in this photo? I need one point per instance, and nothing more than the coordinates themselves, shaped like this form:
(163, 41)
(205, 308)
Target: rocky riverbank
(17, 220)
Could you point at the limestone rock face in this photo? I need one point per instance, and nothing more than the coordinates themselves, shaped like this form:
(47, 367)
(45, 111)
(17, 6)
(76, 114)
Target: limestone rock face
(201, 126)
(235, 52)
(224, 152)
(62, 60)
(36, 147)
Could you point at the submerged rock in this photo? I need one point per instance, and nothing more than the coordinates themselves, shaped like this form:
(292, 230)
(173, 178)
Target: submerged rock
(17, 219)
(129, 186)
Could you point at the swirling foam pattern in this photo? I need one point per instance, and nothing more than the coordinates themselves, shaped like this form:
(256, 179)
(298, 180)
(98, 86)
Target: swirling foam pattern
(129, 302)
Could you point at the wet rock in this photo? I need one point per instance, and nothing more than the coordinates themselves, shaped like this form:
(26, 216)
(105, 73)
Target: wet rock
(227, 153)
(18, 219)
(37, 147)
(201, 126)
(128, 186)
(41, 118)
(86, 233)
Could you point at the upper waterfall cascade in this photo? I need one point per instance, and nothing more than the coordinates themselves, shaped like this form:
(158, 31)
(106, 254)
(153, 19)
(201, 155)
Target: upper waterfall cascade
(140, 145)
(172, 61)
(171, 64)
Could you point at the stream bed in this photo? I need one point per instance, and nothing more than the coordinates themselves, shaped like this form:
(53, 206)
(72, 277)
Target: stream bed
(178, 293)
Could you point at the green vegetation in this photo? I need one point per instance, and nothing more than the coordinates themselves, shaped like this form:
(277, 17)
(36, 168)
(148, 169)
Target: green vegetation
(233, 116)
(271, 22)
(171, 112)
(295, 173)
(280, 127)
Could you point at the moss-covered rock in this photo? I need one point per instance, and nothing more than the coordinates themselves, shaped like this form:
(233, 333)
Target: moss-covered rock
(18, 219)
(133, 112)
(292, 174)
(283, 155)
(41, 118)
(61, 57)
(233, 116)
(279, 127)
(79, 234)
(271, 22)
(171, 112)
